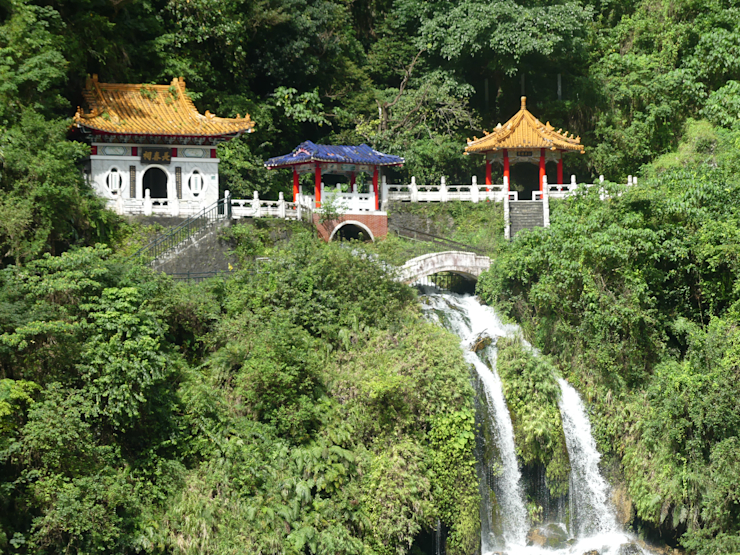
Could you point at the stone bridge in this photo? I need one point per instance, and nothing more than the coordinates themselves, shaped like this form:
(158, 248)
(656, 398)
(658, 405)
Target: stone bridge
(467, 264)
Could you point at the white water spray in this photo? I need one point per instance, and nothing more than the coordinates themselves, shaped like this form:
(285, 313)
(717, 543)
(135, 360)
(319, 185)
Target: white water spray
(589, 492)
(470, 320)
(593, 525)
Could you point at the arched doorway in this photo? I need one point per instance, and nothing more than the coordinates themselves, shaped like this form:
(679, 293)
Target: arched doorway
(156, 181)
(352, 230)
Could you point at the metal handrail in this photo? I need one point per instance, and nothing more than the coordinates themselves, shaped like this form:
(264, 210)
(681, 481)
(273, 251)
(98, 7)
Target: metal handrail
(436, 239)
(219, 210)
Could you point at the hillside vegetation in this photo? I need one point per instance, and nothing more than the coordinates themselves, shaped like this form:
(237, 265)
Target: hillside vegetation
(305, 408)
(636, 300)
(308, 407)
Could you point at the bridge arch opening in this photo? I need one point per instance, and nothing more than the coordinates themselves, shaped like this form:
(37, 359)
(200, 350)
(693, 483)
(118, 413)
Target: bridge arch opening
(457, 282)
(351, 230)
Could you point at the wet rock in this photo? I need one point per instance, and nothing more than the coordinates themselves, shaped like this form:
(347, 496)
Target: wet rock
(549, 535)
(481, 343)
(623, 504)
(629, 549)
(592, 552)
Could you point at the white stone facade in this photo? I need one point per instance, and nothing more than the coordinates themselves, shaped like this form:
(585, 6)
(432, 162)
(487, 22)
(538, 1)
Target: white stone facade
(117, 175)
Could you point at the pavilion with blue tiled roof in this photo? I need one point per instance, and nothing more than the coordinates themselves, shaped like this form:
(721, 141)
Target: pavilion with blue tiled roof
(333, 159)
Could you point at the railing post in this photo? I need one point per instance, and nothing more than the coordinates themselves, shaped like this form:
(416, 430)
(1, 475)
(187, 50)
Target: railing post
(573, 181)
(174, 207)
(413, 190)
(256, 205)
(629, 180)
(474, 189)
(227, 196)
(507, 217)
(298, 208)
(281, 205)
(147, 202)
(545, 202)
(443, 189)
(601, 179)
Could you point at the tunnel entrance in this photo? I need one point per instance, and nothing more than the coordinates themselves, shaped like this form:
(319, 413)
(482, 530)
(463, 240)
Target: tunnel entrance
(352, 232)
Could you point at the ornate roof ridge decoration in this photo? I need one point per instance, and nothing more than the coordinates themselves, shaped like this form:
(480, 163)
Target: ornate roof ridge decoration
(525, 131)
(308, 151)
(128, 109)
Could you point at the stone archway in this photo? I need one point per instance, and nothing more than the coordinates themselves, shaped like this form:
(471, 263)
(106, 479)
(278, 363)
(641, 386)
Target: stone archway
(155, 179)
(351, 229)
(467, 264)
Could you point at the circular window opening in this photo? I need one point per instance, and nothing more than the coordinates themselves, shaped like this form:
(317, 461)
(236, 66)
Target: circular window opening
(156, 181)
(195, 183)
(113, 181)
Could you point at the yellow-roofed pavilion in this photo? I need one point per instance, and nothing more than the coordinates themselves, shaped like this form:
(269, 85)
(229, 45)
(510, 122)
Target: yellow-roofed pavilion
(524, 139)
(152, 152)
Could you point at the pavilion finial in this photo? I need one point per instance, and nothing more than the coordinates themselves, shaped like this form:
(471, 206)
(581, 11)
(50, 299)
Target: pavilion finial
(524, 103)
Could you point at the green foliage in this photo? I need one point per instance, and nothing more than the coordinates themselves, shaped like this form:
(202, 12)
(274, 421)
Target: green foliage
(723, 105)
(505, 31)
(453, 440)
(311, 282)
(123, 359)
(635, 298)
(400, 500)
(532, 396)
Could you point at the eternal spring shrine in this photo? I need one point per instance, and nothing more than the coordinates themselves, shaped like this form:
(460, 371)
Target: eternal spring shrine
(153, 153)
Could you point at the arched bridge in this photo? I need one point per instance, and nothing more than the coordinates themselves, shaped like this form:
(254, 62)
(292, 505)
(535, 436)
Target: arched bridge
(468, 264)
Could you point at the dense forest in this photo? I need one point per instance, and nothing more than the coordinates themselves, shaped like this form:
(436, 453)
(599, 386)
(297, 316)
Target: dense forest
(310, 407)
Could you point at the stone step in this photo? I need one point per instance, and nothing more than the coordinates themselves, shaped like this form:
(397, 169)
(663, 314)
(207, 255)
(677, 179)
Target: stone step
(525, 214)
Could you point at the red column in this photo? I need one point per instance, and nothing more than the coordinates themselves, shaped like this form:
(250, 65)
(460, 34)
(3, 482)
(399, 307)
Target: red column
(317, 186)
(542, 166)
(489, 180)
(352, 182)
(506, 169)
(295, 185)
(560, 169)
(375, 188)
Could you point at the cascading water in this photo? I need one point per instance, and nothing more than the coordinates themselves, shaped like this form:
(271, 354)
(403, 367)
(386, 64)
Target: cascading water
(469, 320)
(593, 525)
(589, 509)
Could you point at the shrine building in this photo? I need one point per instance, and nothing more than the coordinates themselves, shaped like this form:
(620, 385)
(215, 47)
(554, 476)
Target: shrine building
(359, 210)
(345, 160)
(524, 139)
(152, 152)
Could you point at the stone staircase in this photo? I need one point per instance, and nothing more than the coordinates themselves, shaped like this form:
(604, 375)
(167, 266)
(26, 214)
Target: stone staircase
(526, 214)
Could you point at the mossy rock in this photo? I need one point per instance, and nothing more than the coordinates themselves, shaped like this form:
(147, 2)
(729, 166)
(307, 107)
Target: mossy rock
(550, 535)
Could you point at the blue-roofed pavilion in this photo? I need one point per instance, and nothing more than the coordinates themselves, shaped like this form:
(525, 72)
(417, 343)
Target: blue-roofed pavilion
(346, 160)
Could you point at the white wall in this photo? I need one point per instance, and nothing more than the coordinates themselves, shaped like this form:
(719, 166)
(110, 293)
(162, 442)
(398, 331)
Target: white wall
(118, 156)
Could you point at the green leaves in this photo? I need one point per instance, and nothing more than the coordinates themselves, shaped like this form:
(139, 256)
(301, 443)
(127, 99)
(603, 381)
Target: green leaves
(122, 362)
(506, 31)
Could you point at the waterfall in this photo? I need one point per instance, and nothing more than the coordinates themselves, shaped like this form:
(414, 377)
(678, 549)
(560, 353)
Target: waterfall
(590, 511)
(469, 320)
(593, 525)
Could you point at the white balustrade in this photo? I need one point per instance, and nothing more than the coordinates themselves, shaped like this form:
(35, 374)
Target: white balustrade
(350, 202)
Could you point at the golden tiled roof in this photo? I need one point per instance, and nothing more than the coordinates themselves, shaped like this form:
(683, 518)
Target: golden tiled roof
(151, 110)
(525, 131)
